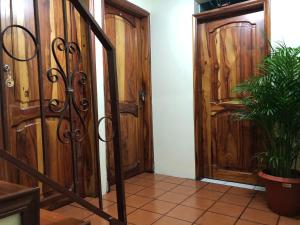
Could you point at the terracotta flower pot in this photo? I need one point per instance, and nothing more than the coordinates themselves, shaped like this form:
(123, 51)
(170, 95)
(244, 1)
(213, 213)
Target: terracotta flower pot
(283, 194)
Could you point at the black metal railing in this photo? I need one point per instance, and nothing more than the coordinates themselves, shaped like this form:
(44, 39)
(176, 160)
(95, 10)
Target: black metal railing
(73, 134)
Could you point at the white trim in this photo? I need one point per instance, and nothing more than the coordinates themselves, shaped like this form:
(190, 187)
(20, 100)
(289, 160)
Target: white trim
(234, 184)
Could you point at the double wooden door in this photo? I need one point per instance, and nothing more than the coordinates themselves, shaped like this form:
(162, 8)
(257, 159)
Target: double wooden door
(229, 52)
(129, 34)
(22, 123)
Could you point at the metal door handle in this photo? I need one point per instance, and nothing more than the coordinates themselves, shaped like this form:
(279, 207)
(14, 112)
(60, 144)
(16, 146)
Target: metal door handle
(5, 68)
(9, 82)
(142, 95)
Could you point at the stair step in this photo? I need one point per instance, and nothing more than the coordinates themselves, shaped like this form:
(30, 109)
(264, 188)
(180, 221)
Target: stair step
(9, 188)
(52, 218)
(46, 217)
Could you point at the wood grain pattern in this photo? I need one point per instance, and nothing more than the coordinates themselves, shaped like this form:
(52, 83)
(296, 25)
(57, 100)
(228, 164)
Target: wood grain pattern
(50, 218)
(130, 34)
(128, 7)
(23, 99)
(227, 53)
(125, 39)
(147, 87)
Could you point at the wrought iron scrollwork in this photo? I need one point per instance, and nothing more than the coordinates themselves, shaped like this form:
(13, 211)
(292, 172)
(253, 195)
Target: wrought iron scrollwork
(79, 130)
(99, 135)
(31, 35)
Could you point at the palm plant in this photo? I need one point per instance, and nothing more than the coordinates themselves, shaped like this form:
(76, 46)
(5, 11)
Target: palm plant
(272, 100)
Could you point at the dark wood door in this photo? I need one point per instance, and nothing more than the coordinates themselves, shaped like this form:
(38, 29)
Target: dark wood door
(125, 32)
(230, 51)
(22, 108)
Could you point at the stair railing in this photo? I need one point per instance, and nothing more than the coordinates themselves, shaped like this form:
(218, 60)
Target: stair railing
(112, 76)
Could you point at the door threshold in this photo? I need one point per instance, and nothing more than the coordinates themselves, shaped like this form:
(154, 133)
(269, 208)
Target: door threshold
(234, 184)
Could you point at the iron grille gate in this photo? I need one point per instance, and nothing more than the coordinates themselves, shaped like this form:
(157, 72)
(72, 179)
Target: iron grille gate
(74, 133)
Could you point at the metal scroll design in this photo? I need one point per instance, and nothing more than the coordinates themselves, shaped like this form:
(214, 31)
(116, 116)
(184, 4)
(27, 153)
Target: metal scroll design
(25, 30)
(77, 131)
(110, 139)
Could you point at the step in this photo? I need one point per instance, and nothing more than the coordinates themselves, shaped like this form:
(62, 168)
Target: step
(9, 188)
(52, 218)
(9, 193)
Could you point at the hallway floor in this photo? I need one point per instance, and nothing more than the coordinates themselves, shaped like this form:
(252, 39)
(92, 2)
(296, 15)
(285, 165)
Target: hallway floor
(164, 200)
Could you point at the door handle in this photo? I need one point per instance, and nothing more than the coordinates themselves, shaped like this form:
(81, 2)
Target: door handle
(142, 95)
(9, 82)
(5, 68)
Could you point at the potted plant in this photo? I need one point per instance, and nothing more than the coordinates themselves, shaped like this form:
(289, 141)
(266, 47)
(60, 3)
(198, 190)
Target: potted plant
(272, 100)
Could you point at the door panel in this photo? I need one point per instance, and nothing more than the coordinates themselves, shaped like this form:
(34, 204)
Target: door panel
(124, 32)
(230, 49)
(26, 133)
(24, 94)
(61, 172)
(23, 99)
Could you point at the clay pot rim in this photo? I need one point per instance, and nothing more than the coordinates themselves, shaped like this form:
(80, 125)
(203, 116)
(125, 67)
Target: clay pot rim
(266, 176)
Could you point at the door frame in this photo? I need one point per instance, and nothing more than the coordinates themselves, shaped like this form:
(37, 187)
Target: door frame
(146, 77)
(201, 164)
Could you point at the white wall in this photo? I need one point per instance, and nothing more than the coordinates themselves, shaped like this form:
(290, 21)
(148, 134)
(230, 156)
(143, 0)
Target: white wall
(100, 91)
(172, 85)
(285, 19)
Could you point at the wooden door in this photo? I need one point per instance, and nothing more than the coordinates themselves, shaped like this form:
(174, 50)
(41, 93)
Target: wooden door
(230, 50)
(129, 33)
(23, 119)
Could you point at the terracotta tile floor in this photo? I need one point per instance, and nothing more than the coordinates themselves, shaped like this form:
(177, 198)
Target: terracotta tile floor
(164, 200)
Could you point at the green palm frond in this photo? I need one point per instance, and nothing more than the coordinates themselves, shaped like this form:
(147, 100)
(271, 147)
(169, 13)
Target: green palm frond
(272, 100)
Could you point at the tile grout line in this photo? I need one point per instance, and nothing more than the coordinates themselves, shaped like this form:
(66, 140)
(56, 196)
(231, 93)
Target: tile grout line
(160, 215)
(179, 204)
(164, 180)
(135, 208)
(246, 207)
(140, 208)
(205, 211)
(135, 194)
(176, 204)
